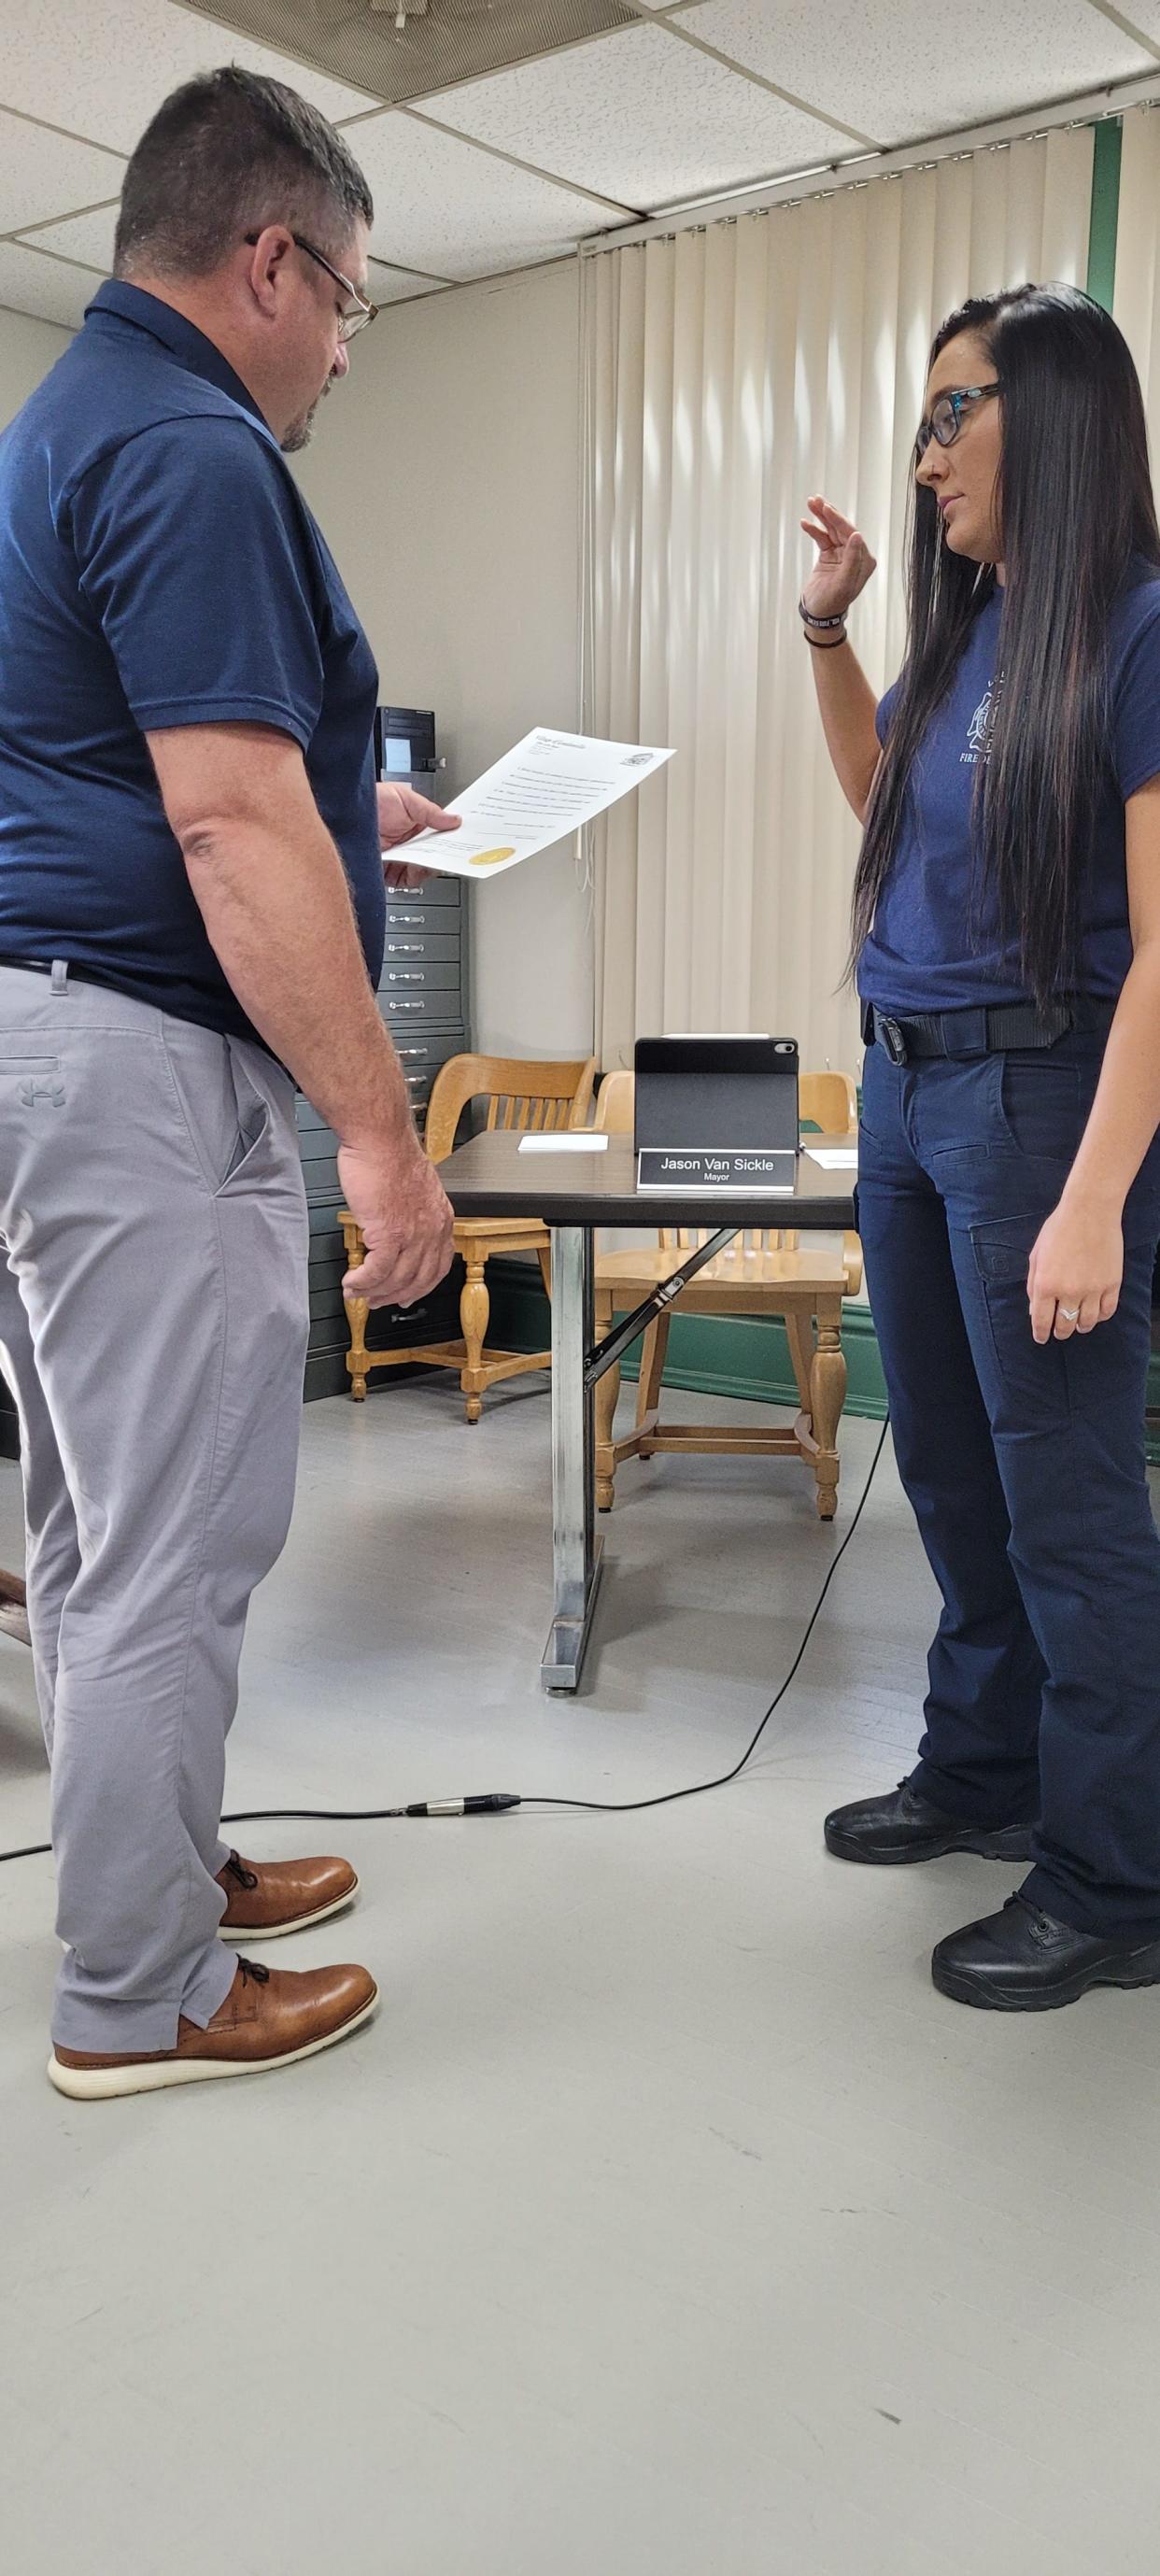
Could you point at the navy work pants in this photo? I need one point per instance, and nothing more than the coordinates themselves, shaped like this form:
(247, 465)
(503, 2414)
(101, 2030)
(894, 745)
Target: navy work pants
(1025, 1468)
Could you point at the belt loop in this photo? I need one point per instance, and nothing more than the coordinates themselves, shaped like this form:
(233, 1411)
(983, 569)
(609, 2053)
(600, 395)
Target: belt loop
(59, 980)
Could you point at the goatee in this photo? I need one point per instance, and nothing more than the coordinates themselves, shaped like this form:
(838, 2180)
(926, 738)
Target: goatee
(301, 431)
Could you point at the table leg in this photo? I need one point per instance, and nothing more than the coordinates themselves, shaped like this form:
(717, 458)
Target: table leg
(576, 1551)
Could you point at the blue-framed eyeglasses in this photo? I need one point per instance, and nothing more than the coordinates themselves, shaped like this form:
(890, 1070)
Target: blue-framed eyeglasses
(946, 414)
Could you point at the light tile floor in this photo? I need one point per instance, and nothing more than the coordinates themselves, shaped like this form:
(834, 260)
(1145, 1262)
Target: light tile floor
(666, 2223)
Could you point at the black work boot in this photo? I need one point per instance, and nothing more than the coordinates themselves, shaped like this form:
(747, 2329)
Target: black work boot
(904, 1827)
(1022, 1960)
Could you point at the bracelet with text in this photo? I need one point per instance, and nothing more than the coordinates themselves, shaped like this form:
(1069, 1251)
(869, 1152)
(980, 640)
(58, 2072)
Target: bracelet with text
(808, 618)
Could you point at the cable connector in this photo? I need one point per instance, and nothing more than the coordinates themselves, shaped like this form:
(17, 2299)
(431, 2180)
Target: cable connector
(494, 1804)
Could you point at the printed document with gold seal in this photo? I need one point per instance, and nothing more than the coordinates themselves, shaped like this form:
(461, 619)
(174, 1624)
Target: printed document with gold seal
(536, 795)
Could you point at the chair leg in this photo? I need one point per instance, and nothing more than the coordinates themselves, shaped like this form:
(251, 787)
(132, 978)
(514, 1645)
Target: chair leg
(357, 1310)
(604, 1402)
(801, 1351)
(654, 1351)
(474, 1310)
(827, 1397)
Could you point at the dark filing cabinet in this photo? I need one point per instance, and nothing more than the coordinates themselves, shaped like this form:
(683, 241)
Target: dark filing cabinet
(423, 997)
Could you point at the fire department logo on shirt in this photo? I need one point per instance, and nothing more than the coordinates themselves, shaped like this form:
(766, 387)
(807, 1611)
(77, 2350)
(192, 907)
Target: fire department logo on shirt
(979, 729)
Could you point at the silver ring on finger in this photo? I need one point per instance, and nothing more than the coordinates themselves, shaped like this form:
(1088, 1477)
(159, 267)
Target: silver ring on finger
(1070, 1314)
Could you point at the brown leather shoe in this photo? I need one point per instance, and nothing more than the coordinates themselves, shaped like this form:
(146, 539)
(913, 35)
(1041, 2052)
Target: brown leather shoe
(270, 2017)
(269, 1897)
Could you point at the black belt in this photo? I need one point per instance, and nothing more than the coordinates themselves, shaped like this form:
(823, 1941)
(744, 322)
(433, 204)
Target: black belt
(43, 966)
(983, 1031)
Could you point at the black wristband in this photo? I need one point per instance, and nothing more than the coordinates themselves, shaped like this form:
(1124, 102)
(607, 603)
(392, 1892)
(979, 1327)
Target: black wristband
(817, 646)
(808, 619)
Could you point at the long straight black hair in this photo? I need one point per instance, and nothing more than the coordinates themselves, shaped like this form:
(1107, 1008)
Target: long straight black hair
(1074, 504)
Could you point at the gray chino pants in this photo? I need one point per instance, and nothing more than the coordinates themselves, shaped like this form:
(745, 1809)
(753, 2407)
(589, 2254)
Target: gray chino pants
(153, 1320)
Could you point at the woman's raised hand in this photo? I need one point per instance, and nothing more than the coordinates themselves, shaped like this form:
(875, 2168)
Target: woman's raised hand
(844, 561)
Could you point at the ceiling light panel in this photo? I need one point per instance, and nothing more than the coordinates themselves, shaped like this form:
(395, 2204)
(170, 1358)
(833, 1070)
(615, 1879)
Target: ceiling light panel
(443, 206)
(437, 43)
(899, 69)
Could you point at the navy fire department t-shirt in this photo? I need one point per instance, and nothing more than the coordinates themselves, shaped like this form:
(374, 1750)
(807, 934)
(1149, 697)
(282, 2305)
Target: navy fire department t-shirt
(159, 566)
(935, 944)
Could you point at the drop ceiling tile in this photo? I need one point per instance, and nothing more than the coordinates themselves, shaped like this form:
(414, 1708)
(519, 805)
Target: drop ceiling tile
(42, 173)
(101, 67)
(1144, 15)
(445, 207)
(87, 238)
(391, 285)
(641, 117)
(30, 282)
(899, 69)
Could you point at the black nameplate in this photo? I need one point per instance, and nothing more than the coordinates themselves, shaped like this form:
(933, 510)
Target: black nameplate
(747, 1171)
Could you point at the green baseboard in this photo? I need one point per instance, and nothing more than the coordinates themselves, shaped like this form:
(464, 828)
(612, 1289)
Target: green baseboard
(745, 1356)
(740, 1355)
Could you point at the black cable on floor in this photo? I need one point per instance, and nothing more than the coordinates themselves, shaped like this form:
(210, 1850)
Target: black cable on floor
(494, 1801)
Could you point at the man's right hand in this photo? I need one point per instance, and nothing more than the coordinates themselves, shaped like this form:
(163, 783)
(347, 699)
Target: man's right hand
(405, 1220)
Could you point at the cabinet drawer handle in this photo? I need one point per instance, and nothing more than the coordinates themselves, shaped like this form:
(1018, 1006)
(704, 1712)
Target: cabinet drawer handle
(404, 947)
(406, 975)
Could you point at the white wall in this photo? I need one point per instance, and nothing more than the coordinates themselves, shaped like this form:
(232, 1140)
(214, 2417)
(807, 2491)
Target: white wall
(27, 350)
(444, 473)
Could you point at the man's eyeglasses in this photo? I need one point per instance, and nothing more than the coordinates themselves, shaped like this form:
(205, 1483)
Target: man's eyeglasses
(349, 324)
(946, 414)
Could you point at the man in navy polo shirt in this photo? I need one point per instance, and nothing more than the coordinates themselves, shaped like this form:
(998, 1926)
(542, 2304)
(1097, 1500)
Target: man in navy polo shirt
(191, 914)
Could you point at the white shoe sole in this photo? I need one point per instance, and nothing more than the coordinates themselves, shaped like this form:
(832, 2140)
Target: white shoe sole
(298, 1923)
(104, 2084)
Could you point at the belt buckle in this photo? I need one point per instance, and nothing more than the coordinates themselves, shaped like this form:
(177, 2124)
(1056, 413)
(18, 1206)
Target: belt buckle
(893, 1040)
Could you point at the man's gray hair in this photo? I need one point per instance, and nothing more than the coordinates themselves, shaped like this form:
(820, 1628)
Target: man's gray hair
(225, 155)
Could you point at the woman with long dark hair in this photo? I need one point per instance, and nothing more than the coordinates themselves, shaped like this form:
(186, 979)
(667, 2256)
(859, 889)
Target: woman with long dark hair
(1006, 945)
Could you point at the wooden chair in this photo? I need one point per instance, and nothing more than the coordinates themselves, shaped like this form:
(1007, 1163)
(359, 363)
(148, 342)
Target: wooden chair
(765, 1273)
(13, 1608)
(541, 1097)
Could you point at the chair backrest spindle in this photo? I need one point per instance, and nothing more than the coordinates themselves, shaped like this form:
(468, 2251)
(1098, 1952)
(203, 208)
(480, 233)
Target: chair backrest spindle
(519, 1093)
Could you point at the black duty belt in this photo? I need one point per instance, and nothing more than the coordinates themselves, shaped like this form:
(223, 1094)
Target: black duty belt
(983, 1032)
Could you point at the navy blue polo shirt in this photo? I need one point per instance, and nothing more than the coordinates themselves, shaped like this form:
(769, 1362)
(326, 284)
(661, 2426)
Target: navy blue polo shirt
(158, 567)
(936, 943)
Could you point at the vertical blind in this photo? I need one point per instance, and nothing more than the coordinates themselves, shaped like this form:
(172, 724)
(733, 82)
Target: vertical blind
(728, 371)
(1137, 292)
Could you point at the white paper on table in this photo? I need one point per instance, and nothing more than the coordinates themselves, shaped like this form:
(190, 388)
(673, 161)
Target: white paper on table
(537, 794)
(834, 1158)
(574, 1140)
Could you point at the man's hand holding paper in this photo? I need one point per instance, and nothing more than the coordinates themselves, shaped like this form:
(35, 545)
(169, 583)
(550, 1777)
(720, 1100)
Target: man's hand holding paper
(538, 794)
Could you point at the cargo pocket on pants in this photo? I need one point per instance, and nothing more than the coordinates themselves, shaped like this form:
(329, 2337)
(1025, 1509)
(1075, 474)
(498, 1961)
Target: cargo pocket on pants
(1033, 1375)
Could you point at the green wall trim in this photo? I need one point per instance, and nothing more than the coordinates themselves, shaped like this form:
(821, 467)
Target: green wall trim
(740, 1355)
(1105, 210)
